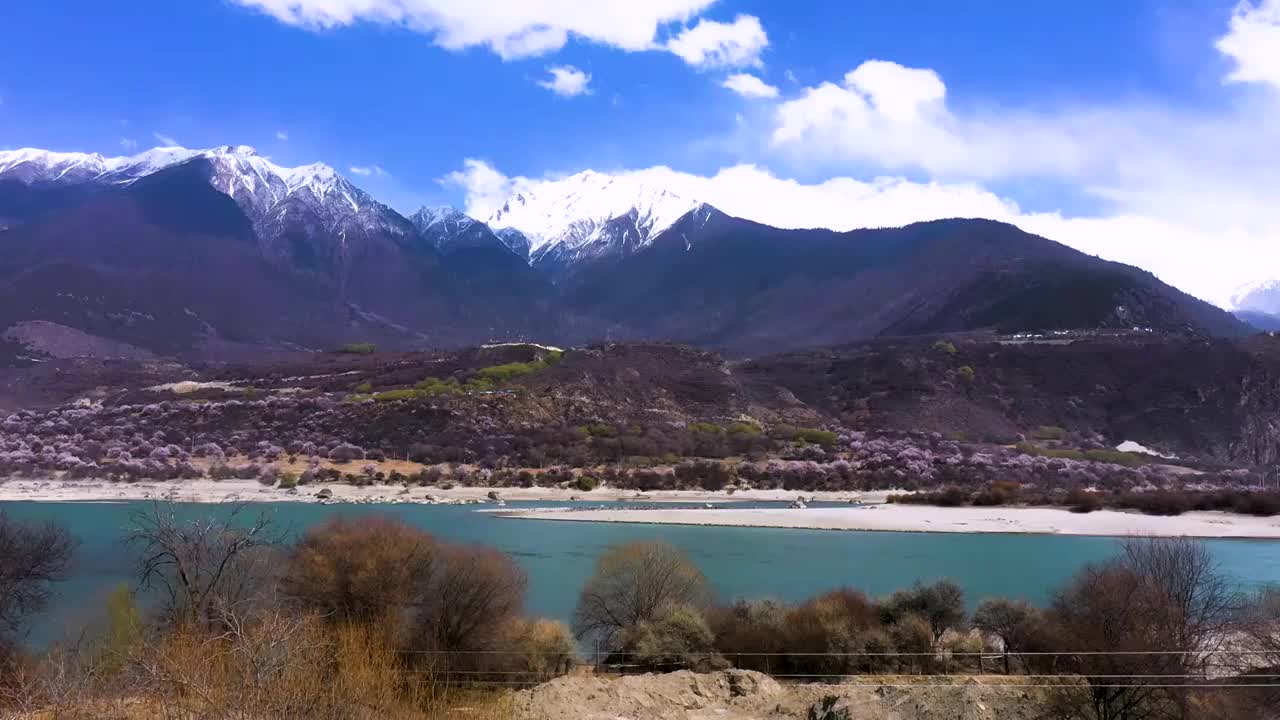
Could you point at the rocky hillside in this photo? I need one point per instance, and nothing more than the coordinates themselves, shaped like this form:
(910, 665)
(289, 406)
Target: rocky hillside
(927, 412)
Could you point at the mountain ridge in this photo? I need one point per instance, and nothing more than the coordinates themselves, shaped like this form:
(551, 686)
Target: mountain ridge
(332, 264)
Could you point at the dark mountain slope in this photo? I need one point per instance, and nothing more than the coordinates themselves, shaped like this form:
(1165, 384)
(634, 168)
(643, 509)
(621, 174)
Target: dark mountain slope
(716, 280)
(1259, 320)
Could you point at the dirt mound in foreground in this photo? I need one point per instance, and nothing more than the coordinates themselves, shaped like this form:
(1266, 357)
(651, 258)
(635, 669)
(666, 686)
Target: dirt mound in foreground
(746, 695)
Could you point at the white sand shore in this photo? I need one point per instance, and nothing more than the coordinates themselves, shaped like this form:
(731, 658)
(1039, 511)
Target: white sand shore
(909, 518)
(923, 518)
(213, 491)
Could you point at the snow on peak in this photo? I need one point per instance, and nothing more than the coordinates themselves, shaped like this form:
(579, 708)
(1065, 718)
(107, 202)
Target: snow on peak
(233, 150)
(48, 166)
(33, 165)
(441, 215)
(322, 180)
(271, 195)
(575, 211)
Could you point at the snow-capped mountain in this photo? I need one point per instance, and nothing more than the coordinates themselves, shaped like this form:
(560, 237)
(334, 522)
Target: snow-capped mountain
(33, 166)
(515, 240)
(591, 215)
(224, 243)
(557, 226)
(312, 200)
(449, 230)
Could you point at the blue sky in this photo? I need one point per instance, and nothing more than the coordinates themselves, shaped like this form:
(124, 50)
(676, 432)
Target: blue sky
(1090, 122)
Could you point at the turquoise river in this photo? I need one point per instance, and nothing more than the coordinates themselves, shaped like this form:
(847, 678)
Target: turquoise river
(740, 562)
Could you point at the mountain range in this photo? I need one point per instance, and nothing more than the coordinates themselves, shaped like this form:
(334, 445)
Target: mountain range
(221, 253)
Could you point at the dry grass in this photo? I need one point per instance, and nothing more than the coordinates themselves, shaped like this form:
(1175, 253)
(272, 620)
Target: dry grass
(275, 665)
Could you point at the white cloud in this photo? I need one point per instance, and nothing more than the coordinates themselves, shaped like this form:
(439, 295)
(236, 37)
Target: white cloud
(750, 86)
(282, 135)
(1253, 42)
(1185, 192)
(369, 170)
(896, 117)
(166, 140)
(128, 143)
(510, 28)
(567, 81)
(486, 188)
(712, 44)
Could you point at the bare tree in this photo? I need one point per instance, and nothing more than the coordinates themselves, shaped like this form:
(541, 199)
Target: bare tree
(632, 583)
(197, 563)
(1258, 636)
(1113, 645)
(478, 591)
(1196, 604)
(32, 558)
(1015, 622)
(1153, 617)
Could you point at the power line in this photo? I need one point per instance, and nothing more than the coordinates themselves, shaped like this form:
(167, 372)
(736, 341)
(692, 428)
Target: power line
(942, 653)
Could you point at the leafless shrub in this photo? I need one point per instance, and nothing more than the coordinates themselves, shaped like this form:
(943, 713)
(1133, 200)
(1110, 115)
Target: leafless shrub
(200, 564)
(32, 558)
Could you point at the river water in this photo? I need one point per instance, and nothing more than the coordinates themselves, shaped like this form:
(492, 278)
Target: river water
(739, 562)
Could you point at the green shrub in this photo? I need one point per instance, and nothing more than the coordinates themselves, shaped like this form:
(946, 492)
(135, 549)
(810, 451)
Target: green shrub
(288, 480)
(966, 373)
(705, 428)
(1114, 457)
(945, 346)
(1049, 432)
(743, 428)
(359, 348)
(401, 394)
(1118, 458)
(124, 629)
(677, 636)
(599, 430)
(825, 438)
(502, 373)
(364, 387)
(509, 371)
(436, 386)
(586, 483)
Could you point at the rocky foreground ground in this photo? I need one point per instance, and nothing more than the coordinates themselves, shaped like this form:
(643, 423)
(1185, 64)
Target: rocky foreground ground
(746, 695)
